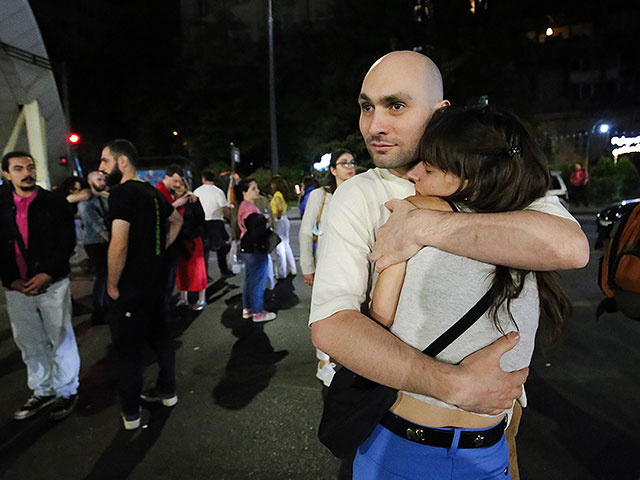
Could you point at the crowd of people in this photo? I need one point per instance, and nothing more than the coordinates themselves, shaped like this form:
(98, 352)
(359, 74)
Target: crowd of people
(454, 211)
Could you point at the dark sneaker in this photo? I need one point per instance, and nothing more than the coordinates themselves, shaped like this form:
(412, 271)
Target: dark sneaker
(154, 396)
(33, 405)
(63, 406)
(131, 422)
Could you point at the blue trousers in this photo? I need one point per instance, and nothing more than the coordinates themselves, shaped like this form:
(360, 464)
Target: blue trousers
(255, 279)
(387, 456)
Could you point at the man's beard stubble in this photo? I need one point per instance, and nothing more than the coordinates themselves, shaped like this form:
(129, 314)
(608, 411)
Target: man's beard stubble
(396, 161)
(113, 178)
(29, 187)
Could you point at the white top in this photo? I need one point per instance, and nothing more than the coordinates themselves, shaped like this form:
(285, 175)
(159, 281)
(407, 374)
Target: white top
(439, 288)
(344, 277)
(314, 204)
(212, 199)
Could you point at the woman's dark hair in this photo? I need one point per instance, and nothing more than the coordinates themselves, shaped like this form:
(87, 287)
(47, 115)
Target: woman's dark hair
(68, 184)
(501, 168)
(335, 155)
(280, 185)
(310, 181)
(241, 187)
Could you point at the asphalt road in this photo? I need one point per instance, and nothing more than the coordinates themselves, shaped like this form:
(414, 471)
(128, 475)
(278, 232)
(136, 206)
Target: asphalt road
(247, 413)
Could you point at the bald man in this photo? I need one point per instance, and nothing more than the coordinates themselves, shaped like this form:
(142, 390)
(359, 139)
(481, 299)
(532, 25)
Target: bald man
(96, 240)
(398, 96)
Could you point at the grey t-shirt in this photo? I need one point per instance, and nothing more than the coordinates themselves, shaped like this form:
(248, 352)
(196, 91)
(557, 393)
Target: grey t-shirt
(439, 288)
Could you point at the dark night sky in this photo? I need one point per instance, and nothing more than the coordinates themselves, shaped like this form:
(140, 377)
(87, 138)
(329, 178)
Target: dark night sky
(127, 75)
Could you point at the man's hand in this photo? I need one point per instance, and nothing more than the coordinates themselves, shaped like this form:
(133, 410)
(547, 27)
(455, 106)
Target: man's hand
(37, 284)
(396, 240)
(17, 285)
(308, 279)
(113, 292)
(483, 387)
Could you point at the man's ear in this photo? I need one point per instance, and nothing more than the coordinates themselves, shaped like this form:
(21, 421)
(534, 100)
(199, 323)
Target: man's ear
(123, 162)
(6, 175)
(443, 103)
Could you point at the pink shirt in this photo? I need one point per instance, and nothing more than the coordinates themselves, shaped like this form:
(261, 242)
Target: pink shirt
(22, 211)
(246, 209)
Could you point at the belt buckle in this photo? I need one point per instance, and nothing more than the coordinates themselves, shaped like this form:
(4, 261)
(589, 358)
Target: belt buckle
(415, 434)
(478, 441)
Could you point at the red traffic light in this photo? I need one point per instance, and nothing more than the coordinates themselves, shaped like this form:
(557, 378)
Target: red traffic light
(74, 138)
(63, 161)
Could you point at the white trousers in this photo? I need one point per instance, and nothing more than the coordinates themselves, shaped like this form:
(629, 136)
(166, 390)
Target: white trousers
(42, 330)
(282, 255)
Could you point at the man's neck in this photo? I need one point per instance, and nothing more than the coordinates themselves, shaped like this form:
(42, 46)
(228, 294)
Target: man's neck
(132, 175)
(399, 172)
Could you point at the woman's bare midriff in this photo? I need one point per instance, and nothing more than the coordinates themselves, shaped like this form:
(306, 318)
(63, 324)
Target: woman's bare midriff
(422, 413)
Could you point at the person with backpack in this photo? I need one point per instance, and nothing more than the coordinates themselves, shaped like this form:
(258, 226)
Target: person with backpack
(620, 269)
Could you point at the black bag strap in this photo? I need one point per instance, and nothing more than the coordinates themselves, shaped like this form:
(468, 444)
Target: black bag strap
(458, 328)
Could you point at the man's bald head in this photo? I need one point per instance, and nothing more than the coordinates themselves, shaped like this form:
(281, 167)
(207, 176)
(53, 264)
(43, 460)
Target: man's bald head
(97, 181)
(415, 67)
(399, 94)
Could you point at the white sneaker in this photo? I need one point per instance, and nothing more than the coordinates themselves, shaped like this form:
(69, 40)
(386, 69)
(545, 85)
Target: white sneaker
(326, 373)
(263, 317)
(182, 303)
(131, 422)
(246, 313)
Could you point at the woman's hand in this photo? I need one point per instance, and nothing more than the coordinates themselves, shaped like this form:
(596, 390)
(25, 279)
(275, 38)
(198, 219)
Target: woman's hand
(308, 279)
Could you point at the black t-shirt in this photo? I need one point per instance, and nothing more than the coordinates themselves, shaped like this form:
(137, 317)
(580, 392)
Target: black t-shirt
(146, 210)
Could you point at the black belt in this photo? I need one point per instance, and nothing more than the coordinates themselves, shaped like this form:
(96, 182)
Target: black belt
(442, 438)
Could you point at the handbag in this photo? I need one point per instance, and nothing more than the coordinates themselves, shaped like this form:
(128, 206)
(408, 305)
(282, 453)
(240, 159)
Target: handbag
(270, 240)
(354, 405)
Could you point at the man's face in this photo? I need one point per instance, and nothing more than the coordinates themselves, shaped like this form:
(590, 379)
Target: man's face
(173, 182)
(109, 166)
(22, 173)
(98, 182)
(394, 111)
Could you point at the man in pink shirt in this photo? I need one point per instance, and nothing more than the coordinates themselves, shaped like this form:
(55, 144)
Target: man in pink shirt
(36, 241)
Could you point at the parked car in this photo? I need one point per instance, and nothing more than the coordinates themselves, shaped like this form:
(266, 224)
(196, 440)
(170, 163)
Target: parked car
(559, 188)
(608, 217)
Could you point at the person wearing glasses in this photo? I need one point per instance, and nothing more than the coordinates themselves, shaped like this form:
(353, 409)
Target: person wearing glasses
(341, 167)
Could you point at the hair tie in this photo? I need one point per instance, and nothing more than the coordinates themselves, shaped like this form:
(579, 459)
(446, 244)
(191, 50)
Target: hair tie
(513, 151)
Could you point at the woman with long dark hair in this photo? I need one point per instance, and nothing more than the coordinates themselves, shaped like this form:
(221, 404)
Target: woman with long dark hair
(342, 167)
(473, 160)
(191, 270)
(253, 228)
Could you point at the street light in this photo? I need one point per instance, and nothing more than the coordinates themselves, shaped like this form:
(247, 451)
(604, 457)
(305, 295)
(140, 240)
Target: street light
(602, 128)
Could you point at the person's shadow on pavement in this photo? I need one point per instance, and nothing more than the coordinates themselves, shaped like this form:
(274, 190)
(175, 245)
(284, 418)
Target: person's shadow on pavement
(251, 364)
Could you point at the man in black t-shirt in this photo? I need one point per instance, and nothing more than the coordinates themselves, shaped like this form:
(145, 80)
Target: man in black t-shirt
(143, 223)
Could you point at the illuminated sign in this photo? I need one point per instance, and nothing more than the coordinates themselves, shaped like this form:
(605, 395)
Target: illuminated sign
(625, 145)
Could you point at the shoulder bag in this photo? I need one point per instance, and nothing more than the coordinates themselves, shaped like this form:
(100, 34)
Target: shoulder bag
(354, 405)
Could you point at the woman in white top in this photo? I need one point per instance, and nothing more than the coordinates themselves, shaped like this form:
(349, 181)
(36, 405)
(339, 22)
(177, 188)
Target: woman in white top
(341, 167)
(478, 160)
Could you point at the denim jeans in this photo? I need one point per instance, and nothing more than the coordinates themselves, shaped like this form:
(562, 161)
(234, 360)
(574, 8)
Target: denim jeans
(97, 254)
(255, 278)
(386, 456)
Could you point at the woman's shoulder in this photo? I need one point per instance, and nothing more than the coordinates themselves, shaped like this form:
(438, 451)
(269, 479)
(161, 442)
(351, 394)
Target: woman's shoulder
(318, 193)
